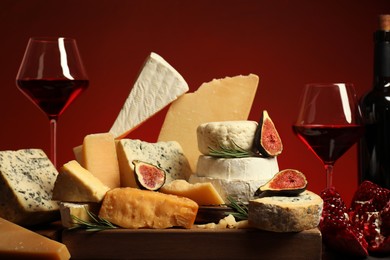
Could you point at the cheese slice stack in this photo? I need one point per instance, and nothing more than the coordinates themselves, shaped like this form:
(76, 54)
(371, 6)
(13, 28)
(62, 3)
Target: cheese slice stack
(225, 99)
(157, 85)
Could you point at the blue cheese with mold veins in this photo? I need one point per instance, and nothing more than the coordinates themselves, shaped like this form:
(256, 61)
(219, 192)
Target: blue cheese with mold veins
(166, 155)
(27, 179)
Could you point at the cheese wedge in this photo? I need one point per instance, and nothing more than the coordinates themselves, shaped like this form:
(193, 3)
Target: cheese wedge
(157, 85)
(201, 193)
(76, 184)
(227, 99)
(79, 210)
(100, 158)
(135, 208)
(20, 243)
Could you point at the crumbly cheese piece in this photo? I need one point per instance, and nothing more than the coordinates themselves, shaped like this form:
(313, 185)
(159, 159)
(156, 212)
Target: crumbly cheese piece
(230, 134)
(201, 193)
(100, 158)
(20, 243)
(26, 183)
(227, 99)
(249, 168)
(229, 222)
(76, 184)
(166, 155)
(286, 214)
(135, 208)
(157, 85)
(240, 190)
(79, 210)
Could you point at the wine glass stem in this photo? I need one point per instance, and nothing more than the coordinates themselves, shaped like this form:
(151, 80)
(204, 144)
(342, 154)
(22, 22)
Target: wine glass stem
(53, 141)
(329, 175)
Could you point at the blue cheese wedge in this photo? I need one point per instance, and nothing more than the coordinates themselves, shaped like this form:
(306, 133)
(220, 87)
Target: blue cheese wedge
(166, 155)
(286, 214)
(157, 85)
(27, 179)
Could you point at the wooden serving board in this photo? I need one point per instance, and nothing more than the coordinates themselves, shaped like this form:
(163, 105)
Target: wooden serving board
(193, 244)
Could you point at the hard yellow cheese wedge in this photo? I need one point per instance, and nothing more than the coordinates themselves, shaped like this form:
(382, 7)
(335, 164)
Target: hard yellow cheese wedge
(201, 193)
(17, 242)
(226, 99)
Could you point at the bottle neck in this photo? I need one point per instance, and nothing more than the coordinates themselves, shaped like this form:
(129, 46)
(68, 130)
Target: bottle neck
(382, 59)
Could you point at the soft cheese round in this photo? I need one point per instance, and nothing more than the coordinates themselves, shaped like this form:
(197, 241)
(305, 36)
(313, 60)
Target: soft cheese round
(286, 214)
(240, 190)
(215, 134)
(250, 168)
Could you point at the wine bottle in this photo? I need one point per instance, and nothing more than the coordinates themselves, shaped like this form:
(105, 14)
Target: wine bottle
(374, 146)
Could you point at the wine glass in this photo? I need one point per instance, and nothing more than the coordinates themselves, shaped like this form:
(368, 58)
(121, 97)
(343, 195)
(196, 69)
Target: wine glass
(329, 122)
(52, 75)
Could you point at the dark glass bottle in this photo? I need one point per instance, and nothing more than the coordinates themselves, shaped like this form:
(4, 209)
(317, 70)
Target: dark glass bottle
(374, 147)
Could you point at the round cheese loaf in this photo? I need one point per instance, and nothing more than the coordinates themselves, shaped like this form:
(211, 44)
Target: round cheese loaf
(250, 168)
(286, 214)
(225, 133)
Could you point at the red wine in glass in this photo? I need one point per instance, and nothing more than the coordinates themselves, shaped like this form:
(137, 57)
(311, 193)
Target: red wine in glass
(329, 122)
(52, 75)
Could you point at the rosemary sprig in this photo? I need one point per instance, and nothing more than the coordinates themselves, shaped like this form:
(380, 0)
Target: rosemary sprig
(97, 224)
(240, 209)
(233, 151)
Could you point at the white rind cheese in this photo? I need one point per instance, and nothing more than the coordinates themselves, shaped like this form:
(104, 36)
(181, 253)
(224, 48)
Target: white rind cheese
(286, 214)
(157, 85)
(249, 168)
(240, 190)
(27, 179)
(166, 155)
(227, 134)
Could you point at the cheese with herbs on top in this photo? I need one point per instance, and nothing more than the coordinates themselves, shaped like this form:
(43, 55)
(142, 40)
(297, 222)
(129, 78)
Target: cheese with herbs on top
(286, 214)
(135, 208)
(165, 155)
(27, 179)
(70, 210)
(76, 184)
(226, 99)
(229, 134)
(157, 85)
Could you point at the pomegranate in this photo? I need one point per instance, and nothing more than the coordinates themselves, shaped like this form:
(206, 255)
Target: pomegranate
(362, 229)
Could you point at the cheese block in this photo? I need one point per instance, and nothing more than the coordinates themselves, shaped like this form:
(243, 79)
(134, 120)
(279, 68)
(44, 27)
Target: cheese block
(157, 85)
(26, 183)
(201, 193)
(227, 99)
(76, 184)
(249, 168)
(135, 208)
(100, 158)
(20, 243)
(230, 134)
(240, 190)
(286, 214)
(79, 210)
(166, 155)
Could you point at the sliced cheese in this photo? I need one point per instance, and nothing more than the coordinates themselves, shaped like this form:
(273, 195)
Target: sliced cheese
(26, 183)
(157, 85)
(227, 99)
(100, 158)
(135, 208)
(201, 193)
(79, 210)
(20, 243)
(76, 184)
(286, 214)
(230, 134)
(249, 168)
(166, 155)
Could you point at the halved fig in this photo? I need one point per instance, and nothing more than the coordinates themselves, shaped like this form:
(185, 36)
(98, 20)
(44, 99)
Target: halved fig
(148, 176)
(267, 141)
(288, 182)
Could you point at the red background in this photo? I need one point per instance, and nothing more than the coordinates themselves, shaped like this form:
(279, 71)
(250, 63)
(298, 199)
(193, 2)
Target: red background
(286, 43)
